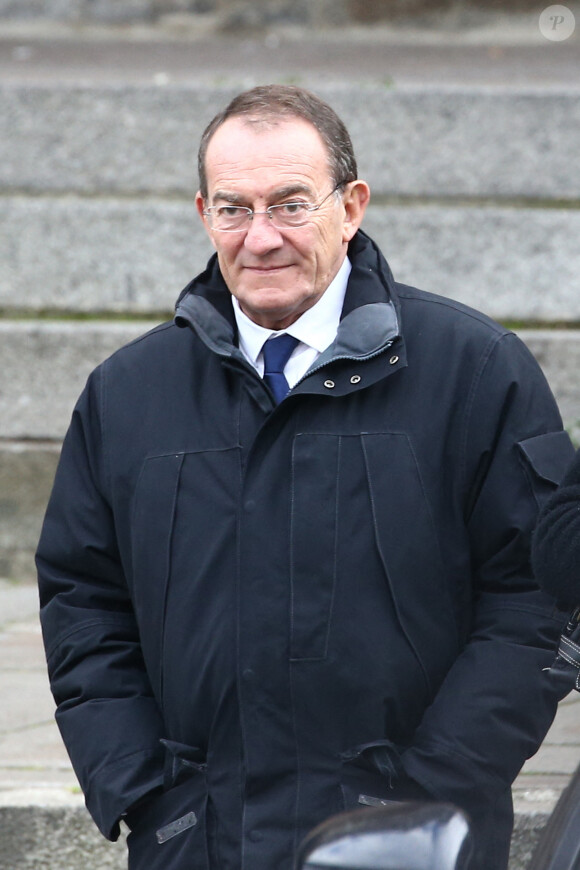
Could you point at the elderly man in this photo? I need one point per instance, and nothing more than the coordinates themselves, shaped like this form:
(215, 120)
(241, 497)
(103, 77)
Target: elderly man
(284, 569)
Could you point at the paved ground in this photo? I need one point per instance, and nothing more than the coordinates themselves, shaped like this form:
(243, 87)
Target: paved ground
(31, 753)
(34, 767)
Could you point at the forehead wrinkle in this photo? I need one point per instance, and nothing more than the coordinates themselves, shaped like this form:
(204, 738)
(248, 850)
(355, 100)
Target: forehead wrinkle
(290, 189)
(228, 196)
(265, 169)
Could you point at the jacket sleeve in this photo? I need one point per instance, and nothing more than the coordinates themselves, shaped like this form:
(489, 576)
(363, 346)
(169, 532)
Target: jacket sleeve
(496, 703)
(106, 712)
(556, 543)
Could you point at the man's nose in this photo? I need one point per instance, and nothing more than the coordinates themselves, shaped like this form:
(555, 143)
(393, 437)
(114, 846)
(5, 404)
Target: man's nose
(262, 235)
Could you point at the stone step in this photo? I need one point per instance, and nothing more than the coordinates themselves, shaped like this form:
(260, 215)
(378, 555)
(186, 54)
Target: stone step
(95, 254)
(34, 831)
(412, 141)
(508, 52)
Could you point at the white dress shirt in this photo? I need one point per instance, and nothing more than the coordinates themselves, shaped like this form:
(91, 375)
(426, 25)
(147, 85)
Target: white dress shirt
(315, 330)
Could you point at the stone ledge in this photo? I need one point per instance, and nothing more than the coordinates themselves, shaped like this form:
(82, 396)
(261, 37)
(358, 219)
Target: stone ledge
(36, 835)
(35, 830)
(26, 474)
(135, 255)
(410, 140)
(44, 368)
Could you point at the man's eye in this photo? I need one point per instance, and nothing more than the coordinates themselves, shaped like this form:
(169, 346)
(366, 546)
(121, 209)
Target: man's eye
(230, 211)
(292, 208)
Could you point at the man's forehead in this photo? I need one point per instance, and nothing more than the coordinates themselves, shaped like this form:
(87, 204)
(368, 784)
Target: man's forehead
(259, 134)
(290, 152)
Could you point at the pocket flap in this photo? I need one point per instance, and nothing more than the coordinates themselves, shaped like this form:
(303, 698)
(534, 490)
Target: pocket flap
(549, 454)
(180, 761)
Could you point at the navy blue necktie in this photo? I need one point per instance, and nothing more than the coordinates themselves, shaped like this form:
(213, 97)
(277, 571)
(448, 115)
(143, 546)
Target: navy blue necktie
(276, 353)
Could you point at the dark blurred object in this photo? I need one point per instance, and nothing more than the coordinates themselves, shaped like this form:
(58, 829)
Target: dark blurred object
(419, 836)
(559, 846)
(367, 11)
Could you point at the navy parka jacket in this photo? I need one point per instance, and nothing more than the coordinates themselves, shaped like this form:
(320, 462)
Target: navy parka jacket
(257, 616)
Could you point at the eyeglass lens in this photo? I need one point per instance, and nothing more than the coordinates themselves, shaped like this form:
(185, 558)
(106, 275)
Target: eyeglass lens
(232, 218)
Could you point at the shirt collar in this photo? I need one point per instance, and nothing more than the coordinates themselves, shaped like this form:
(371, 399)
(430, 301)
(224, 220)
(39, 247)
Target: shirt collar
(317, 327)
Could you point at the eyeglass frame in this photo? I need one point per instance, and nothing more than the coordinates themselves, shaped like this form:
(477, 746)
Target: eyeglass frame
(209, 212)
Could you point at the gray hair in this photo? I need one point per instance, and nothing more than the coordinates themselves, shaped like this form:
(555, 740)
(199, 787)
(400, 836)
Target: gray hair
(272, 103)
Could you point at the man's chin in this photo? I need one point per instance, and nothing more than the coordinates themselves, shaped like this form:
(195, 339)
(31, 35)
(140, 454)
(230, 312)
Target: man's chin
(273, 311)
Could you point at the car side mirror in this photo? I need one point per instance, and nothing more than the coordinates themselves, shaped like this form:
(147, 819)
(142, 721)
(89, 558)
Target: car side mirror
(398, 836)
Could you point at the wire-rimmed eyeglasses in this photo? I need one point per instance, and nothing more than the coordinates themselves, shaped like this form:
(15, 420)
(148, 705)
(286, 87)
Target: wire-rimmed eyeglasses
(231, 218)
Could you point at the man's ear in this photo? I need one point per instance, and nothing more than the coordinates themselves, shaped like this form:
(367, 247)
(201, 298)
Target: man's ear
(200, 206)
(355, 200)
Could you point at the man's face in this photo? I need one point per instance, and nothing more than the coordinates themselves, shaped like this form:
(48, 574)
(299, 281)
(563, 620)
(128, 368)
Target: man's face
(277, 274)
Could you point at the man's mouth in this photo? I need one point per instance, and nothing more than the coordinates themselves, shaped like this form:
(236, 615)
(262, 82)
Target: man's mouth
(266, 269)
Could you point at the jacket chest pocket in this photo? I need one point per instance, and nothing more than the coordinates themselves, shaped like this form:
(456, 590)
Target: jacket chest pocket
(407, 541)
(361, 524)
(170, 831)
(181, 540)
(313, 535)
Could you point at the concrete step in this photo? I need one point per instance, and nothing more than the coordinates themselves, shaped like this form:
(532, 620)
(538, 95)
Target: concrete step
(44, 366)
(411, 141)
(61, 834)
(26, 473)
(502, 52)
(95, 254)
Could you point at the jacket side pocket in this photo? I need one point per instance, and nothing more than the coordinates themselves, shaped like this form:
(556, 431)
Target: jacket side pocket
(169, 831)
(369, 774)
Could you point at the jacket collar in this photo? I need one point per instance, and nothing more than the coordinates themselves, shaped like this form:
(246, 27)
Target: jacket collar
(369, 322)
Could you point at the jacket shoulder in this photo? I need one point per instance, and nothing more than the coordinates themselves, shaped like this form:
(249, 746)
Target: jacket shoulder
(155, 348)
(441, 309)
(154, 339)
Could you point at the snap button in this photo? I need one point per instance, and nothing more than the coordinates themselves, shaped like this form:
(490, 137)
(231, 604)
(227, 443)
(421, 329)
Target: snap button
(355, 379)
(393, 360)
(330, 385)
